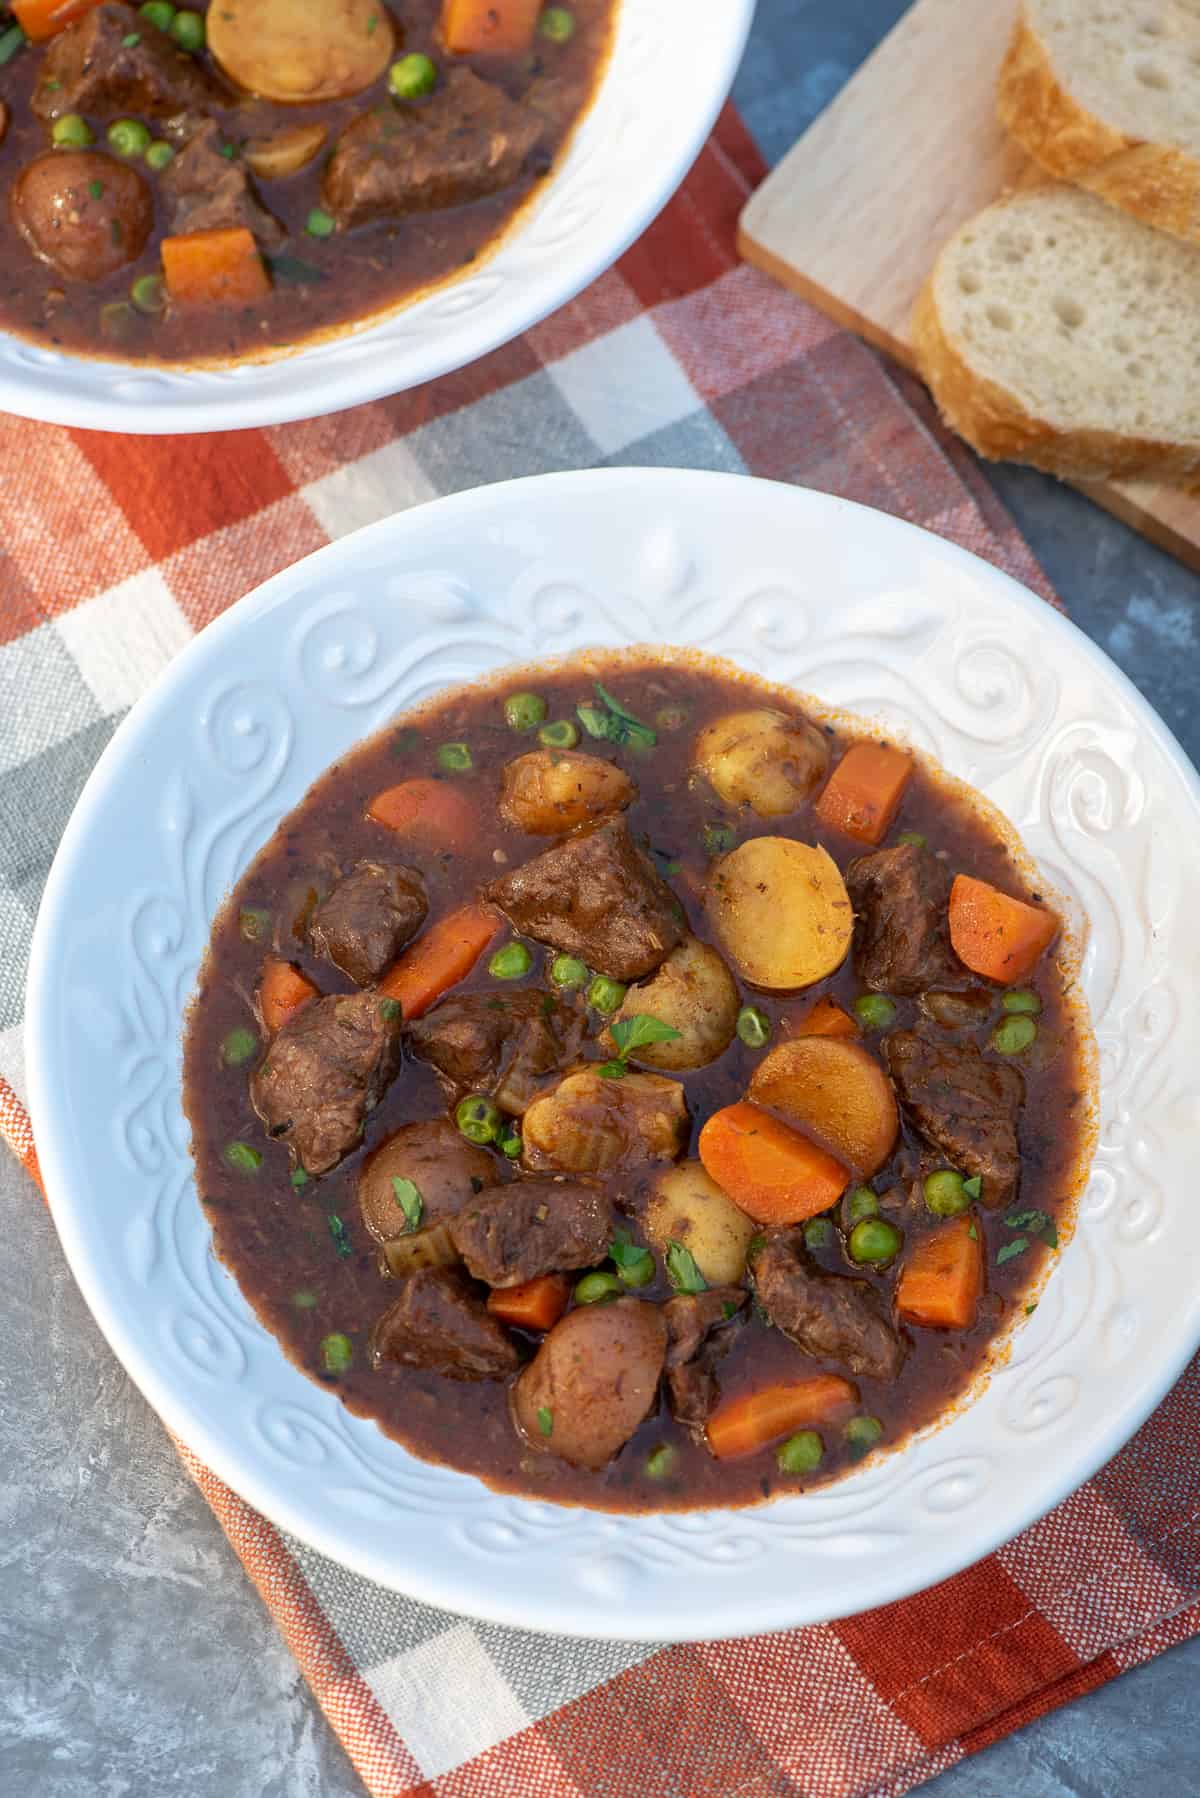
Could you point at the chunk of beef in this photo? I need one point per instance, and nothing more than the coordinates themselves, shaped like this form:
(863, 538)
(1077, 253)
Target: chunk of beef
(368, 918)
(84, 213)
(514, 1233)
(901, 933)
(113, 61)
(325, 1070)
(696, 1340)
(594, 896)
(964, 1106)
(467, 140)
(439, 1321)
(445, 1168)
(829, 1316)
(206, 191)
(503, 1044)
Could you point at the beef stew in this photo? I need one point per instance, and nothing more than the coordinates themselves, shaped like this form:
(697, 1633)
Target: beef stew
(562, 1198)
(211, 182)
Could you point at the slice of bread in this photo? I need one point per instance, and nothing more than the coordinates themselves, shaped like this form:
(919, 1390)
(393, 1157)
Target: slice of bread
(1107, 95)
(1058, 331)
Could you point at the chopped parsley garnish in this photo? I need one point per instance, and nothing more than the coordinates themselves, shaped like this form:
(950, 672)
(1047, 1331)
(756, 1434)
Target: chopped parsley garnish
(341, 1236)
(299, 1178)
(973, 1187)
(610, 722)
(634, 1264)
(545, 1420)
(635, 1033)
(1012, 1249)
(1038, 1223)
(682, 1271)
(409, 1199)
(96, 189)
(390, 1009)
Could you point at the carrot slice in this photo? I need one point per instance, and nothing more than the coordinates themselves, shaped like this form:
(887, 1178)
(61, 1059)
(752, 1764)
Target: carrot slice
(826, 1018)
(940, 1282)
(536, 1305)
(994, 934)
(282, 991)
(438, 960)
(214, 268)
(477, 27)
(42, 19)
(433, 811)
(863, 794)
(745, 1424)
(773, 1174)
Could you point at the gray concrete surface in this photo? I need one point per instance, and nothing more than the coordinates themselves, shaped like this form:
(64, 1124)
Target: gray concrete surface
(135, 1658)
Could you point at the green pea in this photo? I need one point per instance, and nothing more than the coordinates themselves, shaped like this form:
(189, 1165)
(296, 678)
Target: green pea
(244, 1158)
(753, 1027)
(862, 1433)
(801, 1453)
(874, 1241)
(72, 132)
(915, 837)
(455, 758)
(660, 1462)
(238, 1047)
(477, 1118)
(1013, 1035)
(148, 293)
(1022, 1000)
(875, 1011)
(946, 1194)
(511, 962)
(413, 76)
(562, 734)
(860, 1202)
(128, 137)
(159, 155)
(605, 995)
(594, 1289)
(568, 971)
(159, 12)
(320, 223)
(818, 1233)
(524, 711)
(337, 1352)
(187, 28)
(558, 24)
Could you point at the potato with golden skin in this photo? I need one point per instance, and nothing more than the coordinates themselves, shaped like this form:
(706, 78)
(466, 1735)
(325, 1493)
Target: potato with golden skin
(296, 52)
(551, 791)
(781, 912)
(694, 993)
(836, 1092)
(592, 1382)
(687, 1206)
(765, 759)
(588, 1124)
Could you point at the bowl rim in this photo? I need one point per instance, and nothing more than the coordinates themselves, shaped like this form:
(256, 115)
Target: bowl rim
(309, 382)
(1075, 1463)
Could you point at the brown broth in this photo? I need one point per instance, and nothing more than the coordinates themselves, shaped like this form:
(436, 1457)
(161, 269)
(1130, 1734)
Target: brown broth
(321, 284)
(277, 1241)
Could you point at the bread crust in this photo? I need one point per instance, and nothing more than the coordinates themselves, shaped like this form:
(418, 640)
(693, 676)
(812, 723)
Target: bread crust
(997, 426)
(1158, 183)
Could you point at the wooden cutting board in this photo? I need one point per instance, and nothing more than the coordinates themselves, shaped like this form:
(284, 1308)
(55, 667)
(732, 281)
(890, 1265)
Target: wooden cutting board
(854, 216)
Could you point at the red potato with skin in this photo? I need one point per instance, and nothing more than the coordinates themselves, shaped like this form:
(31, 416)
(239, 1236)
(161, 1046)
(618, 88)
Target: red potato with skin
(592, 1382)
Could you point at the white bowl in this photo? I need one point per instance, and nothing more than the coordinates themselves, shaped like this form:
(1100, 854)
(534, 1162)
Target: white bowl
(672, 65)
(865, 611)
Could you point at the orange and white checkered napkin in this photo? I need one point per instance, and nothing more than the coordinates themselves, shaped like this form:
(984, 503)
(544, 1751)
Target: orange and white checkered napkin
(113, 552)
